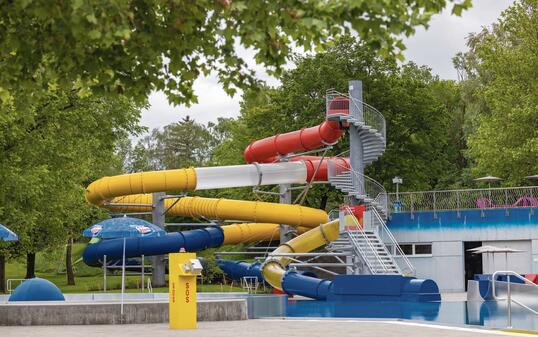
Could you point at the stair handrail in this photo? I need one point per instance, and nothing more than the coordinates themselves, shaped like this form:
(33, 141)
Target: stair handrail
(371, 117)
(367, 114)
(392, 240)
(370, 188)
(509, 298)
(356, 244)
(381, 196)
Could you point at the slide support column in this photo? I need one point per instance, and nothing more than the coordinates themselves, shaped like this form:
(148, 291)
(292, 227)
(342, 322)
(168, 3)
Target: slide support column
(356, 155)
(355, 142)
(158, 278)
(285, 198)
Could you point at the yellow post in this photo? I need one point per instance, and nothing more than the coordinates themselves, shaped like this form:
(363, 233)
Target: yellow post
(182, 269)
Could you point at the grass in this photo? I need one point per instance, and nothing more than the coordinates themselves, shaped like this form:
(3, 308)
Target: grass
(51, 266)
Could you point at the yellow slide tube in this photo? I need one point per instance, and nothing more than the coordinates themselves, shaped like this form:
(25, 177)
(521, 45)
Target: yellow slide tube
(227, 209)
(253, 232)
(108, 188)
(275, 267)
(131, 193)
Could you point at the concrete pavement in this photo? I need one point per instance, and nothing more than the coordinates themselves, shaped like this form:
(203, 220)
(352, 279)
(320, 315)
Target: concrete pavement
(256, 328)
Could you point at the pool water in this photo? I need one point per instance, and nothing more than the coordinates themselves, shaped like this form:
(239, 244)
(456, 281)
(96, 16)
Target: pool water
(487, 314)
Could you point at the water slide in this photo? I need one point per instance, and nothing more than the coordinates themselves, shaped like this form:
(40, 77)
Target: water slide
(132, 193)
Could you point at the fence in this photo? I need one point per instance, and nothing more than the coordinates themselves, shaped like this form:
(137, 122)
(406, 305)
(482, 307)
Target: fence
(486, 198)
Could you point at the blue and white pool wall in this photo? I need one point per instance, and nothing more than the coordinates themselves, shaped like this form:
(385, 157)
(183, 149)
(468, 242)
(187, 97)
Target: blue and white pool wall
(447, 231)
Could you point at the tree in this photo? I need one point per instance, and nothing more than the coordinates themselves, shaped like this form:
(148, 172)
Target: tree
(135, 47)
(48, 156)
(505, 142)
(181, 144)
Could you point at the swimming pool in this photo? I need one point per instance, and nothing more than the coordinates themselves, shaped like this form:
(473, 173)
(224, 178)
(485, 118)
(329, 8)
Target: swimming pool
(487, 314)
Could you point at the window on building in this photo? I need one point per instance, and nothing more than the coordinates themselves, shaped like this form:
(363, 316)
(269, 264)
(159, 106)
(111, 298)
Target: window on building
(423, 249)
(414, 249)
(407, 249)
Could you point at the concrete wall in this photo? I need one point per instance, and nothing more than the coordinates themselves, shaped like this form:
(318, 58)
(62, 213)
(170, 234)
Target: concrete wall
(448, 230)
(534, 255)
(36, 313)
(445, 265)
(519, 262)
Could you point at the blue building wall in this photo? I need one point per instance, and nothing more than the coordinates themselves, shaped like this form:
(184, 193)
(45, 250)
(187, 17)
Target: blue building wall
(464, 219)
(447, 230)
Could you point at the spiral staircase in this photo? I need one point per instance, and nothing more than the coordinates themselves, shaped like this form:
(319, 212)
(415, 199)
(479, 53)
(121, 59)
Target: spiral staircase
(371, 127)
(363, 241)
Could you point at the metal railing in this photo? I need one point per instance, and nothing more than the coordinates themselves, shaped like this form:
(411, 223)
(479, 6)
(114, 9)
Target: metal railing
(509, 298)
(358, 229)
(362, 184)
(11, 281)
(250, 284)
(406, 266)
(334, 214)
(485, 198)
(149, 287)
(338, 104)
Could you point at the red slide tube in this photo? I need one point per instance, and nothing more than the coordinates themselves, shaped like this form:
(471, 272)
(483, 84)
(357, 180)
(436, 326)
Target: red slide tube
(266, 149)
(312, 162)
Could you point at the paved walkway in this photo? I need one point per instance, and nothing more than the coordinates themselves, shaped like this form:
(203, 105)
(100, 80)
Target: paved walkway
(454, 297)
(257, 328)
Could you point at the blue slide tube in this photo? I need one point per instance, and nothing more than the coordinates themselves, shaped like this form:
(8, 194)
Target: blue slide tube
(304, 284)
(294, 282)
(192, 240)
(236, 270)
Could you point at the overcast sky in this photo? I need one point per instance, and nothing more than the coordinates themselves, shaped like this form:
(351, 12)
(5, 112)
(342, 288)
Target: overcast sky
(433, 47)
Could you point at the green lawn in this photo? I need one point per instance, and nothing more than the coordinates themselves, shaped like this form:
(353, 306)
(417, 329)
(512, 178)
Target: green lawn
(51, 265)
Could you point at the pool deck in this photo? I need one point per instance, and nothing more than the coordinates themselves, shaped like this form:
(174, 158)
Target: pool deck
(454, 297)
(258, 328)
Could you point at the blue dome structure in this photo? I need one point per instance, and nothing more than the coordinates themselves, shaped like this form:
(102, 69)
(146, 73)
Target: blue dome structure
(36, 289)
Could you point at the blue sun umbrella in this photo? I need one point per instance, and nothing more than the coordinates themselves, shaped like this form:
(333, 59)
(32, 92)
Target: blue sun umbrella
(123, 227)
(7, 235)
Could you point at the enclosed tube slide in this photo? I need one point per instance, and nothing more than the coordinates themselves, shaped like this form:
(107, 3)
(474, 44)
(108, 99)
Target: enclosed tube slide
(226, 209)
(266, 214)
(273, 270)
(191, 240)
(191, 179)
(267, 149)
(130, 193)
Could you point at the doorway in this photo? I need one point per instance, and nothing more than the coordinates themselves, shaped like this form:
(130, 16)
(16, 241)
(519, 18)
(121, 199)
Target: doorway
(473, 262)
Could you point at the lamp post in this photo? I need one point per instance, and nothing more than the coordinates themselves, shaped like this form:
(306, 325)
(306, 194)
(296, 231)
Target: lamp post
(396, 204)
(397, 180)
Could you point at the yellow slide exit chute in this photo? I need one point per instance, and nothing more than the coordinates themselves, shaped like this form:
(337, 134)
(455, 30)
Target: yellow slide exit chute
(275, 267)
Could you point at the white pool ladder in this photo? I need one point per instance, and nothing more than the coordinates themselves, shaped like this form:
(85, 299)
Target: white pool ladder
(508, 297)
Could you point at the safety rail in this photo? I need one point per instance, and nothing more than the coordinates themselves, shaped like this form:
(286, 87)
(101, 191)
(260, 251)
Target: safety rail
(407, 269)
(362, 184)
(338, 104)
(9, 283)
(250, 284)
(509, 298)
(149, 287)
(333, 214)
(358, 228)
(484, 198)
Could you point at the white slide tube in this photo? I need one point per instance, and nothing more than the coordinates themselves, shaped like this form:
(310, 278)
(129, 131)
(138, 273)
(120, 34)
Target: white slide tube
(250, 175)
